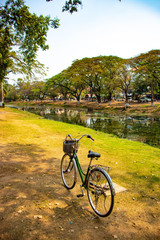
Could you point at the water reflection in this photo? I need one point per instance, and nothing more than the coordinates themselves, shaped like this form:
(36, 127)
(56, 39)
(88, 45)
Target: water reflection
(140, 128)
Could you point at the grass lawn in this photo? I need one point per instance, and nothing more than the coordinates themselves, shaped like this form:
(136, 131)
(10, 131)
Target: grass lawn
(33, 146)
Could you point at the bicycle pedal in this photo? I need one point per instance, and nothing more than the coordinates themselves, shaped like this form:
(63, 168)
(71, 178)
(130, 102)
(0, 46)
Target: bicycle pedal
(80, 195)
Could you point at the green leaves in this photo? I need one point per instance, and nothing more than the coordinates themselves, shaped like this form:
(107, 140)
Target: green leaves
(105, 76)
(147, 69)
(71, 6)
(97, 75)
(24, 33)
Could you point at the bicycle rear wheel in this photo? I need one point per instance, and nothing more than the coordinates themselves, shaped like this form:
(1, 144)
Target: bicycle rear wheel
(68, 171)
(100, 192)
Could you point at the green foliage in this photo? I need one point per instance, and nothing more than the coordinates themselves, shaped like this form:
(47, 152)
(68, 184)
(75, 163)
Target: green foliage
(11, 93)
(147, 69)
(97, 74)
(101, 77)
(125, 77)
(71, 6)
(59, 84)
(139, 86)
(38, 89)
(22, 34)
(75, 76)
(111, 66)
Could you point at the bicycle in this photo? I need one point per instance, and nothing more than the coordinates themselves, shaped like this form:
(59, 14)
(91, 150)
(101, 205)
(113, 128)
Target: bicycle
(96, 180)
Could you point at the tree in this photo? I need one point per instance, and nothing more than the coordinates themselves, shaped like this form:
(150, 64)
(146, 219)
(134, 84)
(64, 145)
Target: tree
(71, 5)
(11, 93)
(24, 89)
(84, 70)
(139, 86)
(91, 70)
(111, 67)
(95, 75)
(125, 77)
(102, 76)
(147, 67)
(51, 92)
(21, 35)
(77, 75)
(85, 73)
(38, 89)
(58, 83)
(70, 81)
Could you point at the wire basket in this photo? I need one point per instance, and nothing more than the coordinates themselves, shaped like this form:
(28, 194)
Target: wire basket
(69, 146)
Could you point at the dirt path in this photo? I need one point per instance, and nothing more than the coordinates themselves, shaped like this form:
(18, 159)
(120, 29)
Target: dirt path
(34, 205)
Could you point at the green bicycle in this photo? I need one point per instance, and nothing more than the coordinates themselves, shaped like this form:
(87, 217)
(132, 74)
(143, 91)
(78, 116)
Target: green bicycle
(96, 180)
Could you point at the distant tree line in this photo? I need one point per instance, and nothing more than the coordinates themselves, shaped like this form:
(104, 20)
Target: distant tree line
(102, 77)
(106, 76)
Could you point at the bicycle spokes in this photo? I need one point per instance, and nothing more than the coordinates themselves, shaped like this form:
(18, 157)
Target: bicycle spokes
(68, 171)
(96, 180)
(100, 192)
(69, 167)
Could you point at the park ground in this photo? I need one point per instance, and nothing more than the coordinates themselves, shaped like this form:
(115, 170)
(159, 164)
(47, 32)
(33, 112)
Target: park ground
(34, 205)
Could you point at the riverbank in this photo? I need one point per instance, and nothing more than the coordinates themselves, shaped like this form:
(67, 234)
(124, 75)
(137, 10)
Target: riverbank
(115, 107)
(35, 205)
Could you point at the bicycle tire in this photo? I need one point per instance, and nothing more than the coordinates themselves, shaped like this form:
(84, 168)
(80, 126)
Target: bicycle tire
(100, 192)
(68, 171)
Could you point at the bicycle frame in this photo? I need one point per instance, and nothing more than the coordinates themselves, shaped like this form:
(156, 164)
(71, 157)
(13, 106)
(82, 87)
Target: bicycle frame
(83, 176)
(96, 181)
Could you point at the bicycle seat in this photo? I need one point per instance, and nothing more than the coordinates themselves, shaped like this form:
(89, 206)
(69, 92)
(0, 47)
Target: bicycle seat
(93, 154)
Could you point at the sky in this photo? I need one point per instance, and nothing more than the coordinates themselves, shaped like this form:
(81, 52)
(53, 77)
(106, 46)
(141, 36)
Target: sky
(101, 27)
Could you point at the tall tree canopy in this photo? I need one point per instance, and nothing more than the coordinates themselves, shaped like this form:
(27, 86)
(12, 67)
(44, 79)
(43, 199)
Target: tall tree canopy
(97, 75)
(147, 68)
(21, 35)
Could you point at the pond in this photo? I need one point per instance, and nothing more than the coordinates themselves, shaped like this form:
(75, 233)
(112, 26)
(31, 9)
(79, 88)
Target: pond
(140, 128)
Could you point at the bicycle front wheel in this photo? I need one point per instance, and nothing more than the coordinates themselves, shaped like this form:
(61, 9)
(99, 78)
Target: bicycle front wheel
(100, 192)
(68, 171)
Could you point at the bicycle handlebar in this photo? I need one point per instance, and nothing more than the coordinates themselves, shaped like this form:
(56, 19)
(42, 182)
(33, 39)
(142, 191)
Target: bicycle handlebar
(74, 139)
(89, 136)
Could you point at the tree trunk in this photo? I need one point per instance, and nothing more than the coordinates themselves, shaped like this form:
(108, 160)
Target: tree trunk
(78, 98)
(126, 102)
(109, 98)
(152, 96)
(1, 95)
(98, 98)
(126, 96)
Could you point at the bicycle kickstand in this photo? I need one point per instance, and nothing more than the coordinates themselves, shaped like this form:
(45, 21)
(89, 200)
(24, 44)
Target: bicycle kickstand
(81, 195)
